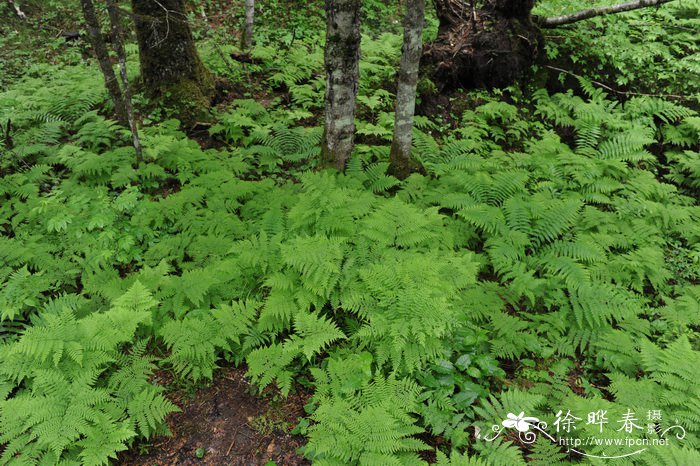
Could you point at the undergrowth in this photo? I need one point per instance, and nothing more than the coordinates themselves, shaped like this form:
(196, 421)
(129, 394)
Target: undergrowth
(547, 260)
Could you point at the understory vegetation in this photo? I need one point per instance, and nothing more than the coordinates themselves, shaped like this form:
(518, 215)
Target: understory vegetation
(546, 259)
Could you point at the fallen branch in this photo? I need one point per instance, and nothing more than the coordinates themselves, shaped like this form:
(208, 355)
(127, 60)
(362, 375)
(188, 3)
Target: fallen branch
(556, 21)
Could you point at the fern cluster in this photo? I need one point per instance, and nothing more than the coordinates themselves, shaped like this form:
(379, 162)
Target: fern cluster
(77, 389)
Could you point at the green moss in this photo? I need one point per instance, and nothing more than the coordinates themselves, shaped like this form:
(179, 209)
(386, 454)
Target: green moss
(189, 100)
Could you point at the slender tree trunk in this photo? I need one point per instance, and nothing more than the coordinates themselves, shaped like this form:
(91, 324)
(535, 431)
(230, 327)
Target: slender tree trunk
(342, 60)
(400, 157)
(556, 21)
(98, 45)
(118, 44)
(171, 69)
(247, 41)
(7, 137)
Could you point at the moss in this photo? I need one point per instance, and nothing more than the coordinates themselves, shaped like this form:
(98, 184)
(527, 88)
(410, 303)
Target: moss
(402, 165)
(189, 98)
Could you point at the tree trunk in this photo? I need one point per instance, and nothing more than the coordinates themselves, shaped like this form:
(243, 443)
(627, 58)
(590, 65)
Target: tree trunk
(171, 69)
(7, 137)
(400, 156)
(247, 41)
(489, 43)
(118, 44)
(95, 35)
(342, 60)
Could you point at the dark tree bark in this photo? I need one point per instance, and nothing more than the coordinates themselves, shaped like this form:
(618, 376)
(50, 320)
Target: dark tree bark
(493, 43)
(400, 156)
(171, 69)
(489, 43)
(118, 43)
(95, 36)
(7, 136)
(342, 61)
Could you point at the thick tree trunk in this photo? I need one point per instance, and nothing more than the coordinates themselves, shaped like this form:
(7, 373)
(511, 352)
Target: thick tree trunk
(118, 44)
(400, 156)
(342, 60)
(489, 43)
(247, 41)
(171, 69)
(95, 35)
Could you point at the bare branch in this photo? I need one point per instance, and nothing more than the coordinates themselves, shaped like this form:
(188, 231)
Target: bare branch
(556, 21)
(616, 91)
(18, 10)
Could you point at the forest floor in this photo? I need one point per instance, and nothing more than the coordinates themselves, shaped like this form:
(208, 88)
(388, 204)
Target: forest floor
(547, 259)
(225, 423)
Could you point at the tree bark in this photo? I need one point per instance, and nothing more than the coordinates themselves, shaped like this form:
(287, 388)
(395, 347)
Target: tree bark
(171, 69)
(7, 137)
(556, 21)
(95, 35)
(118, 44)
(400, 156)
(247, 41)
(342, 62)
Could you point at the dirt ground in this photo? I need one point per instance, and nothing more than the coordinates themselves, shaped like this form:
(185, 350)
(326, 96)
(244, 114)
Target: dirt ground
(227, 424)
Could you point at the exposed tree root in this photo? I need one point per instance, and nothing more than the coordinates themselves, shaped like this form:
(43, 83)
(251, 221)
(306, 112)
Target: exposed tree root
(490, 47)
(493, 43)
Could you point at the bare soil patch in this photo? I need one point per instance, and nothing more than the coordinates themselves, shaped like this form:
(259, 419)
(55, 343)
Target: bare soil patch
(229, 425)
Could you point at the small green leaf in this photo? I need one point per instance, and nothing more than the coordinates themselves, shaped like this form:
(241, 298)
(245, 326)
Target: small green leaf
(464, 361)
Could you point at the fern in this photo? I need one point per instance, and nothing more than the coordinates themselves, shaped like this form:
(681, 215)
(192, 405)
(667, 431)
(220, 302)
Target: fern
(63, 409)
(372, 427)
(546, 258)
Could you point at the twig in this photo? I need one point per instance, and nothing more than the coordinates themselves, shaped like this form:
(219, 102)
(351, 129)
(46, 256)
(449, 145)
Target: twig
(617, 91)
(665, 25)
(233, 441)
(167, 24)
